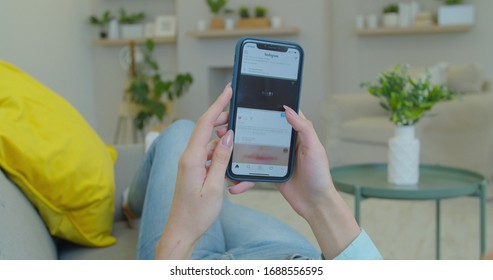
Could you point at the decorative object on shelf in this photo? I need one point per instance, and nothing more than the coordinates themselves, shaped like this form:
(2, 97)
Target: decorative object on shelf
(201, 25)
(216, 6)
(372, 21)
(102, 23)
(229, 20)
(147, 89)
(276, 22)
(113, 29)
(390, 16)
(454, 12)
(165, 26)
(407, 13)
(407, 99)
(259, 21)
(359, 22)
(423, 19)
(130, 25)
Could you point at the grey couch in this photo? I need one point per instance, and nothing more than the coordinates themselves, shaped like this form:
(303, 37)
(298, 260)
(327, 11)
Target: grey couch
(23, 234)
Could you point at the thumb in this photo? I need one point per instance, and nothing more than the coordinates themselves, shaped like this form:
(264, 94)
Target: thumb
(220, 159)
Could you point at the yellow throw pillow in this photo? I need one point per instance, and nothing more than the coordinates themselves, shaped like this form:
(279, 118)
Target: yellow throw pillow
(56, 159)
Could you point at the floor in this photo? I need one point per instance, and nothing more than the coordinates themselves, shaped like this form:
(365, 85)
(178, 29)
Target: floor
(403, 230)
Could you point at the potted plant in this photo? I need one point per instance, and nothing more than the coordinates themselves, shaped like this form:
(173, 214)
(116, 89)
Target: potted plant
(260, 19)
(390, 15)
(407, 99)
(130, 24)
(454, 12)
(102, 23)
(229, 20)
(153, 95)
(244, 12)
(216, 6)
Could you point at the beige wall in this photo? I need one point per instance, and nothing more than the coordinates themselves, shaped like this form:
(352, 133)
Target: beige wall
(52, 42)
(357, 59)
(200, 55)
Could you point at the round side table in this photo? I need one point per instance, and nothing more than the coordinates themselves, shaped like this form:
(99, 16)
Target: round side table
(436, 182)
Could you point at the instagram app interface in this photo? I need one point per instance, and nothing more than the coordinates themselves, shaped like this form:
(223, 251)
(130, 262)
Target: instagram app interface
(269, 79)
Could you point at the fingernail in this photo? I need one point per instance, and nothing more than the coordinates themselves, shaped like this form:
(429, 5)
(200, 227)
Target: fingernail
(227, 139)
(289, 111)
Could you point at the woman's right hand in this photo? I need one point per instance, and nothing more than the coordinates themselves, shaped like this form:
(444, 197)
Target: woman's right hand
(312, 194)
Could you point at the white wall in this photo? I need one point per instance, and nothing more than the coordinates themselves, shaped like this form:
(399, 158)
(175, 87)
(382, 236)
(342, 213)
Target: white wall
(357, 59)
(53, 42)
(50, 40)
(198, 55)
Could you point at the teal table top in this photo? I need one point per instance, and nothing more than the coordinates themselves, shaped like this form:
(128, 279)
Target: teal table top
(435, 182)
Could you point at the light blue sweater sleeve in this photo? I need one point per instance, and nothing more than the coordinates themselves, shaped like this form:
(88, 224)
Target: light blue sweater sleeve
(362, 248)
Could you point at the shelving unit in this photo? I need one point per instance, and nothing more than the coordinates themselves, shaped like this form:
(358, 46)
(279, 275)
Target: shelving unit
(413, 30)
(123, 42)
(210, 34)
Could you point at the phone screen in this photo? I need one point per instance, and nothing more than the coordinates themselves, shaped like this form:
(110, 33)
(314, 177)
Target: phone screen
(268, 77)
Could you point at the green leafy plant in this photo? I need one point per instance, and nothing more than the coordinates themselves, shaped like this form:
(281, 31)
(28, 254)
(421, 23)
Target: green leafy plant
(391, 8)
(407, 99)
(126, 18)
(147, 88)
(216, 5)
(244, 12)
(453, 2)
(102, 22)
(260, 11)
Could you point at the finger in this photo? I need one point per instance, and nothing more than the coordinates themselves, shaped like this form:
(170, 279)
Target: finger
(211, 147)
(221, 131)
(222, 119)
(241, 187)
(302, 126)
(220, 160)
(206, 123)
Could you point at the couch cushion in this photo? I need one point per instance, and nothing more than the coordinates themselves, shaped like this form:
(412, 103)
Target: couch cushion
(465, 78)
(56, 159)
(376, 130)
(124, 249)
(23, 235)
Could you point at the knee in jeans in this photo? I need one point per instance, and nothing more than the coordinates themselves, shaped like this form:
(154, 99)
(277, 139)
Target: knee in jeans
(179, 130)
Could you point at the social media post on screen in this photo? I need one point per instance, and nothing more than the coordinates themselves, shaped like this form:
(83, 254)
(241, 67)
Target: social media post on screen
(262, 140)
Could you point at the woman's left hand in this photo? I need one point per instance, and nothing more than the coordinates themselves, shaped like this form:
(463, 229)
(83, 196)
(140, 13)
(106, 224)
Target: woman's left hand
(199, 189)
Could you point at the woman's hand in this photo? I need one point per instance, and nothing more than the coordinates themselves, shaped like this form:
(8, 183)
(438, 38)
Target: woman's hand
(199, 189)
(311, 183)
(311, 192)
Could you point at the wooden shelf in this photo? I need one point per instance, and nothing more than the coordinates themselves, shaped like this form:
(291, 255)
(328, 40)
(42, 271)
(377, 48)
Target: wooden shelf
(122, 42)
(244, 32)
(413, 30)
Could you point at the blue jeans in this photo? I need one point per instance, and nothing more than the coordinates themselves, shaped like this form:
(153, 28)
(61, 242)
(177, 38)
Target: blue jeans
(238, 233)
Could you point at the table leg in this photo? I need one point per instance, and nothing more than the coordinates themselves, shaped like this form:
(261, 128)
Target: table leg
(438, 230)
(482, 199)
(357, 201)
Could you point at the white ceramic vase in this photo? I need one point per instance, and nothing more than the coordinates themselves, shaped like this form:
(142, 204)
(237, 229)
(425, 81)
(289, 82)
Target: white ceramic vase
(403, 156)
(390, 20)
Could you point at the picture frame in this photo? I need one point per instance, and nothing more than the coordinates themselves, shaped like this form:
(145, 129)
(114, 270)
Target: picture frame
(165, 26)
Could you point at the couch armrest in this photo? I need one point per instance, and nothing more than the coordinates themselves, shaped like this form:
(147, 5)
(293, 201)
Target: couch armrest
(464, 127)
(129, 159)
(340, 108)
(352, 106)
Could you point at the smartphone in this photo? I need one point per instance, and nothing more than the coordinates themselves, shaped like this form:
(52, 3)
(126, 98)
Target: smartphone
(266, 76)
